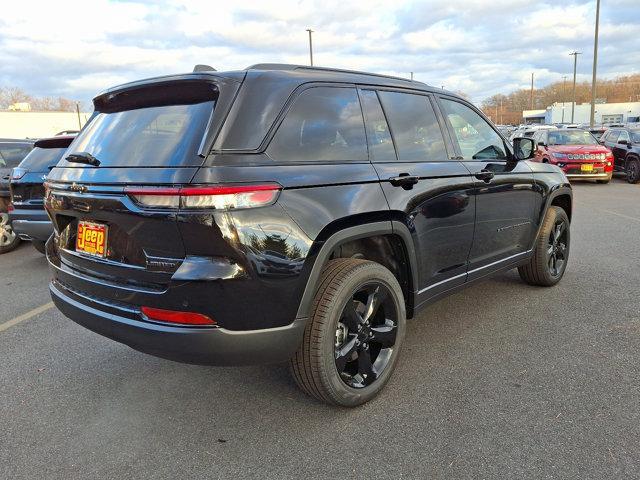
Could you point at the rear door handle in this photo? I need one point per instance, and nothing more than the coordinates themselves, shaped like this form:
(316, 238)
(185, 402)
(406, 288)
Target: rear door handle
(404, 180)
(484, 175)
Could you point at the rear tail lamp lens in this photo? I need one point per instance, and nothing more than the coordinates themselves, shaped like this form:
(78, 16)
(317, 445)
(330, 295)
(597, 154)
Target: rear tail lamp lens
(213, 197)
(17, 173)
(172, 316)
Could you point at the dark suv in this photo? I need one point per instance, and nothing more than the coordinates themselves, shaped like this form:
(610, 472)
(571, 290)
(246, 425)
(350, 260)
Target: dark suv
(28, 216)
(288, 213)
(624, 143)
(11, 154)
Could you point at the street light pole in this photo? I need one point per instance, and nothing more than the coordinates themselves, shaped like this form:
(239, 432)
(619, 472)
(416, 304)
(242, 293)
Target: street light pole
(531, 90)
(575, 67)
(595, 67)
(564, 94)
(310, 46)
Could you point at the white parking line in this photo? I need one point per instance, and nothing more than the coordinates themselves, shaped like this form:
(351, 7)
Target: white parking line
(621, 215)
(26, 316)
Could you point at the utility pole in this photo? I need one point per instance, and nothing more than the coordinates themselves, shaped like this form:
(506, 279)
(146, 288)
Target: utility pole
(500, 110)
(412, 76)
(595, 67)
(310, 46)
(575, 67)
(564, 94)
(78, 112)
(531, 90)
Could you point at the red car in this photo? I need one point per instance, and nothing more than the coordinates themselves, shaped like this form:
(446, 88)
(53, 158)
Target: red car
(576, 152)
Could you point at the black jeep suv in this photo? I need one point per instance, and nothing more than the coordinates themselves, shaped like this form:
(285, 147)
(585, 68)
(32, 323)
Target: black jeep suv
(624, 143)
(288, 213)
(28, 216)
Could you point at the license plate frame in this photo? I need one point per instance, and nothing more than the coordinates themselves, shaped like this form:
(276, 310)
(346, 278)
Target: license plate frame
(586, 167)
(96, 247)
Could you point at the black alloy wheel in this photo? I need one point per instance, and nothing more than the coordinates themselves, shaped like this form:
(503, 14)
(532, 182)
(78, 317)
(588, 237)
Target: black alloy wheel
(557, 247)
(366, 335)
(633, 171)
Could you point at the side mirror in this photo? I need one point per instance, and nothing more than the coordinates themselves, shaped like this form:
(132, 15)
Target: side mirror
(623, 142)
(524, 148)
(542, 144)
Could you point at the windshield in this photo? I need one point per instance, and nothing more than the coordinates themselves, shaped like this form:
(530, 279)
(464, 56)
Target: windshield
(166, 136)
(40, 159)
(11, 154)
(572, 137)
(635, 136)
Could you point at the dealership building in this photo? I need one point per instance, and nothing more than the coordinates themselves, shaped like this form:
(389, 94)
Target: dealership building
(605, 113)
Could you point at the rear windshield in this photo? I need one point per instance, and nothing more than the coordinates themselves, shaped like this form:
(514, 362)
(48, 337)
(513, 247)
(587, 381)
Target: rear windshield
(571, 137)
(11, 154)
(159, 136)
(41, 159)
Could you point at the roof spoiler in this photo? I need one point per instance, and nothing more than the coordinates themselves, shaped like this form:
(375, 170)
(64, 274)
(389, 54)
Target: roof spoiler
(203, 68)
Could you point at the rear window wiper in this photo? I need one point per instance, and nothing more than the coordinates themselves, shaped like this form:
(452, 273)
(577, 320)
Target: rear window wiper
(83, 157)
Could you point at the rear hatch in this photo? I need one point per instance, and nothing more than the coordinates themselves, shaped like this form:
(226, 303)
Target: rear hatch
(27, 179)
(152, 133)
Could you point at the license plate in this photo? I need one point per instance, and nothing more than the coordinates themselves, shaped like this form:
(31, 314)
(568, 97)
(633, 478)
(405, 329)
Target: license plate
(92, 239)
(586, 167)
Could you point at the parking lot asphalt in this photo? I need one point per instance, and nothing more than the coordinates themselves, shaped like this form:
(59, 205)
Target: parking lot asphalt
(502, 380)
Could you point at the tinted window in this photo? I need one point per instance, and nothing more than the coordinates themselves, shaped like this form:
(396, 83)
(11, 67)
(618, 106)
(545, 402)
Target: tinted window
(40, 159)
(166, 135)
(624, 135)
(414, 126)
(476, 138)
(378, 135)
(635, 136)
(12, 154)
(612, 136)
(324, 124)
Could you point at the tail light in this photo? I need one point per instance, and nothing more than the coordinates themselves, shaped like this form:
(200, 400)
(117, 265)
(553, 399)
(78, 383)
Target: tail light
(172, 316)
(17, 173)
(10, 208)
(217, 197)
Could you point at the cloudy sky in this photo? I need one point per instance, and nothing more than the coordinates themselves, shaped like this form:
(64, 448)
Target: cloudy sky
(480, 47)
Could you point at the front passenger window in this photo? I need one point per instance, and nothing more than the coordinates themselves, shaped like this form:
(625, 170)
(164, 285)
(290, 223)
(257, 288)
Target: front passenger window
(476, 138)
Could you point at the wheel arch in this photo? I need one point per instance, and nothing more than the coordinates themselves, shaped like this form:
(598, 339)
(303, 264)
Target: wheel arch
(380, 235)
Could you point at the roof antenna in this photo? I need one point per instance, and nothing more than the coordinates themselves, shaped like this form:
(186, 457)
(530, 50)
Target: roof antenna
(203, 68)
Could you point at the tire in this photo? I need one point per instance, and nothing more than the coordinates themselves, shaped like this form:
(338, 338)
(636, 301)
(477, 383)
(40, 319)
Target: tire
(542, 269)
(39, 246)
(340, 334)
(633, 171)
(9, 240)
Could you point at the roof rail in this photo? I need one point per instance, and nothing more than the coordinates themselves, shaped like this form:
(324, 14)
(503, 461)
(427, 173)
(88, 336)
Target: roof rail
(291, 67)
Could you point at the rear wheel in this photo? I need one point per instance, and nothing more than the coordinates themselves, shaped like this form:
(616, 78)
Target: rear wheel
(352, 340)
(39, 246)
(551, 252)
(633, 171)
(8, 238)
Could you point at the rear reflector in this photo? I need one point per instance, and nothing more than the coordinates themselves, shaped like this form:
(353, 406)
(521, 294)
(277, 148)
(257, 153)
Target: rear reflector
(216, 197)
(182, 318)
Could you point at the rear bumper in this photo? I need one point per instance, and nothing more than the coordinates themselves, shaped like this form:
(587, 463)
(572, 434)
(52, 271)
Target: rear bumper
(197, 345)
(31, 224)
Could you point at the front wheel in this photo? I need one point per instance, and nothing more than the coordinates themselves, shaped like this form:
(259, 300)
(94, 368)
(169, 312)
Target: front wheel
(352, 339)
(8, 238)
(551, 252)
(633, 171)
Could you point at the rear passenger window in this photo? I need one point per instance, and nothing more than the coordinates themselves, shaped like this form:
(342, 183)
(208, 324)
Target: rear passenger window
(380, 142)
(414, 126)
(324, 124)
